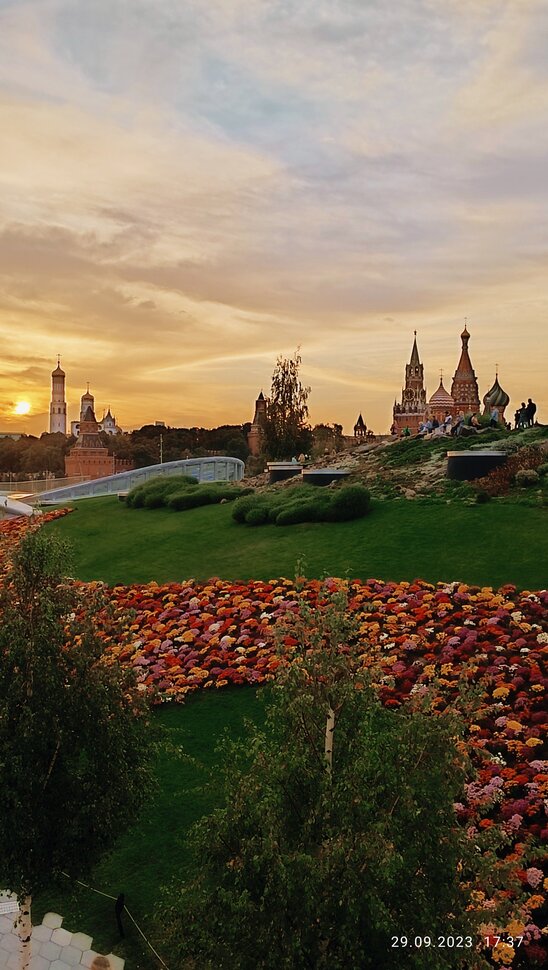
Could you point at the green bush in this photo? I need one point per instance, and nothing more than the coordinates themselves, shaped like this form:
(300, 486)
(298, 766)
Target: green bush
(351, 502)
(482, 497)
(257, 515)
(526, 477)
(162, 485)
(302, 503)
(243, 505)
(543, 469)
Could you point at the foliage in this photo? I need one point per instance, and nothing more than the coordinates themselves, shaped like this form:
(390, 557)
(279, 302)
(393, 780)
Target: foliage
(543, 469)
(73, 728)
(326, 438)
(413, 451)
(500, 480)
(482, 497)
(338, 825)
(31, 456)
(303, 503)
(286, 429)
(526, 477)
(180, 492)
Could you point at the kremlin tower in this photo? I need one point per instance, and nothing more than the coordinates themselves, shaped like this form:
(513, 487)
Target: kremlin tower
(360, 428)
(464, 389)
(89, 457)
(412, 410)
(58, 406)
(255, 436)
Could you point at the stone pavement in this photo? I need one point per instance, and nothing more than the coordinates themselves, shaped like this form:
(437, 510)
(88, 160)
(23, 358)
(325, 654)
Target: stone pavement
(53, 948)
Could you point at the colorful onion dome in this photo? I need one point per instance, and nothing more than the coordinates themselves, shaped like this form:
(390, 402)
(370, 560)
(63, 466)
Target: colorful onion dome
(442, 398)
(496, 397)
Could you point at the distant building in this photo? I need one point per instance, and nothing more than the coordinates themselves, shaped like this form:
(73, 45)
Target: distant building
(89, 457)
(256, 432)
(412, 410)
(58, 406)
(360, 428)
(106, 424)
(464, 389)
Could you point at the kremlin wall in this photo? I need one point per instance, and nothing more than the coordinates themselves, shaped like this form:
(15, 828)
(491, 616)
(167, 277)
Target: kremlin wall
(90, 458)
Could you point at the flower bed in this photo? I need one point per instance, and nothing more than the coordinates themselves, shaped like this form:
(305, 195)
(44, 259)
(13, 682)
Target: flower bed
(193, 636)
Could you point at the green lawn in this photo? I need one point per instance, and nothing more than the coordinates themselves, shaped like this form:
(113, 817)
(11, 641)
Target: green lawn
(490, 544)
(152, 852)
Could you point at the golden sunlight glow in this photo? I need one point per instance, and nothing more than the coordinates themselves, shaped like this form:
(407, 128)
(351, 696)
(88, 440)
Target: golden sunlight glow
(22, 407)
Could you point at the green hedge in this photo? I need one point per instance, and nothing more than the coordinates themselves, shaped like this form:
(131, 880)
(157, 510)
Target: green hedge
(180, 492)
(305, 503)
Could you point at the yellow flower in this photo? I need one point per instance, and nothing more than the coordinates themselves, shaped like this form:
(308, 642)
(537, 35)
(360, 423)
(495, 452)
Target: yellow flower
(501, 692)
(474, 727)
(532, 742)
(515, 928)
(503, 953)
(538, 688)
(514, 726)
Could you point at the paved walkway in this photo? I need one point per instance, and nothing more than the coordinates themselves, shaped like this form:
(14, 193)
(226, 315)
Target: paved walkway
(53, 948)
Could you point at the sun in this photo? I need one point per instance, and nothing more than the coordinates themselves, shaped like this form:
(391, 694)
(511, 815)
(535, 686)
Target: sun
(22, 407)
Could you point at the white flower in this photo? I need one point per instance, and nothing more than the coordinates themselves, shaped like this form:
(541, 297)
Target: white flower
(542, 638)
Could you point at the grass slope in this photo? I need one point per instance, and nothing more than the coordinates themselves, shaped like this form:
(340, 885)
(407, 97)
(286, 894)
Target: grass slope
(491, 544)
(152, 852)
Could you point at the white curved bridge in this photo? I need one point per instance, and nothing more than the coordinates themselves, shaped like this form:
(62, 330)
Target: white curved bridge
(215, 469)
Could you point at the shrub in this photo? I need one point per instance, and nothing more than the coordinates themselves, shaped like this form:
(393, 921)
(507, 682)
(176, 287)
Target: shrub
(243, 505)
(500, 480)
(257, 515)
(526, 477)
(543, 469)
(482, 497)
(305, 511)
(351, 502)
(162, 485)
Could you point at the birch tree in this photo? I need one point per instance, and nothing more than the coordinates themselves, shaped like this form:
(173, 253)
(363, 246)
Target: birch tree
(286, 430)
(73, 730)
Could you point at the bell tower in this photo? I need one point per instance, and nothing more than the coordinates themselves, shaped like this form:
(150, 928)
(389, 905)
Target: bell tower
(58, 406)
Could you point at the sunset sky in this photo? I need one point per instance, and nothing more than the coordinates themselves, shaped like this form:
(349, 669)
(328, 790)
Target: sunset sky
(191, 187)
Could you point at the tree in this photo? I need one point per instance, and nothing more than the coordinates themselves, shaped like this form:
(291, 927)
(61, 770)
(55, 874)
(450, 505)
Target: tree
(338, 831)
(73, 730)
(286, 431)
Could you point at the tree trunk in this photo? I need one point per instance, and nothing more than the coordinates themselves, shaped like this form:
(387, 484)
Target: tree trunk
(329, 729)
(24, 930)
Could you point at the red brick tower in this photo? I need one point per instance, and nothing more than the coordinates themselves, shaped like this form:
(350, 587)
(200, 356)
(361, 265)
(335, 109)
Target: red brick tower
(89, 457)
(464, 389)
(412, 410)
(255, 436)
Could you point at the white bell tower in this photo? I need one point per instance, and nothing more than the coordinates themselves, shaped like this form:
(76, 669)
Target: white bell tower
(58, 406)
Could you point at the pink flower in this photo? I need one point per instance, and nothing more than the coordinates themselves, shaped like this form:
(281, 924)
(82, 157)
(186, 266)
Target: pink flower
(534, 877)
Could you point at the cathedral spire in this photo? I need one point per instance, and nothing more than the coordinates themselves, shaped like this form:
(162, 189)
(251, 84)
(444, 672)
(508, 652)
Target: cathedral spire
(464, 389)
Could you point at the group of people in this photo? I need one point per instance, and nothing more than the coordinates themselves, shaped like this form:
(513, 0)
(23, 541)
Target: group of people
(471, 424)
(525, 415)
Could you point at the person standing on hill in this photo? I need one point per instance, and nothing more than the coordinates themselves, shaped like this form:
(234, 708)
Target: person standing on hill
(530, 412)
(522, 416)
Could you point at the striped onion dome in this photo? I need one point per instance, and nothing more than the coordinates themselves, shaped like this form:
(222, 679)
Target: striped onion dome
(441, 398)
(496, 397)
